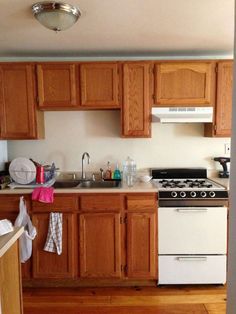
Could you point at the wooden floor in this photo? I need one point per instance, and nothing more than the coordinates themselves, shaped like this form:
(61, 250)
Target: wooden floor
(144, 300)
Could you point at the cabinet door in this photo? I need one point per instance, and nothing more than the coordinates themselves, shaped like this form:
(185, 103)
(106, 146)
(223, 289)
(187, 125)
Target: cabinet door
(141, 246)
(100, 245)
(99, 85)
(224, 98)
(18, 116)
(136, 112)
(51, 265)
(57, 86)
(184, 83)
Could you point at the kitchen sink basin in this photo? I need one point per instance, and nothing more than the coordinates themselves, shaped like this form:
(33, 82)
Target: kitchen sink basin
(66, 184)
(99, 184)
(88, 184)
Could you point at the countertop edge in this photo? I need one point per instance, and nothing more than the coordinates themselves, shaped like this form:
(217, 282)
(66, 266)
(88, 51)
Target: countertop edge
(7, 240)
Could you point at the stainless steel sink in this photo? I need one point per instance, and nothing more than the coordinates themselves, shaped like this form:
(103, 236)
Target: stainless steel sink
(85, 184)
(99, 184)
(66, 184)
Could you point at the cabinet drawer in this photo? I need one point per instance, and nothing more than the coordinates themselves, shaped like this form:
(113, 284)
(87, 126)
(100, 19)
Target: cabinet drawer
(182, 269)
(101, 202)
(64, 203)
(141, 202)
(192, 230)
(10, 203)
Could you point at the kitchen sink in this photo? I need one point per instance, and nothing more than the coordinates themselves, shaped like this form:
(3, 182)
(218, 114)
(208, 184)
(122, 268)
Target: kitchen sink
(87, 184)
(99, 184)
(66, 184)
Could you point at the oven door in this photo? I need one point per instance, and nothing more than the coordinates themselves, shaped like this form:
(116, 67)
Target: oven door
(192, 230)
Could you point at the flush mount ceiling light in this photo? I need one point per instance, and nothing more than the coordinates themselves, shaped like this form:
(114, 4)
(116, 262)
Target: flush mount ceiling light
(56, 16)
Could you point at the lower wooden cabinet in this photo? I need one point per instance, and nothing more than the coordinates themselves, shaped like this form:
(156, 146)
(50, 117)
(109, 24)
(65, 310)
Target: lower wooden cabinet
(100, 245)
(141, 246)
(105, 236)
(51, 265)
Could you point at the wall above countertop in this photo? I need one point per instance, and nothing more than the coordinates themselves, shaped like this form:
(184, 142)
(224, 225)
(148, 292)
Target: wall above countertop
(69, 134)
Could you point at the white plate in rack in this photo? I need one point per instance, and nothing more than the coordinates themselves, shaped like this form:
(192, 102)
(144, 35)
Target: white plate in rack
(22, 170)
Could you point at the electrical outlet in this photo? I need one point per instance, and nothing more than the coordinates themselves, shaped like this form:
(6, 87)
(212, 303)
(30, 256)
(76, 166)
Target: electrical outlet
(227, 148)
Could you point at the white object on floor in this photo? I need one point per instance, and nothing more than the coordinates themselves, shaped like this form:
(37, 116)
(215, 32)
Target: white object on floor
(54, 237)
(5, 226)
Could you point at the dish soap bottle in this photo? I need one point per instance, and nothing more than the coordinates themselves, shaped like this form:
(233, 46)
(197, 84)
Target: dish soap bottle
(108, 171)
(117, 174)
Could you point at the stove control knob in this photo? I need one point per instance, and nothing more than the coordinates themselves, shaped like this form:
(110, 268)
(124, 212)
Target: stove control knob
(203, 194)
(182, 194)
(174, 194)
(212, 194)
(193, 194)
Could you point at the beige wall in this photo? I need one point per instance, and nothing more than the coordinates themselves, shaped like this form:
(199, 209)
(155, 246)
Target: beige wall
(69, 134)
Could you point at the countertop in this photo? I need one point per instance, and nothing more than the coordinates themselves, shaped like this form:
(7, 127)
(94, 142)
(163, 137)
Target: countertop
(7, 240)
(138, 187)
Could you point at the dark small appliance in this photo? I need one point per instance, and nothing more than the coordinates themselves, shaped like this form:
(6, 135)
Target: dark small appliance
(223, 161)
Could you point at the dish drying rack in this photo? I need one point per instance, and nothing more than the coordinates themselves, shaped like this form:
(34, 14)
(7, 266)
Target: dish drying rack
(49, 178)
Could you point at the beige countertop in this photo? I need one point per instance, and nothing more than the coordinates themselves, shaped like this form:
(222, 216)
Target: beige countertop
(7, 240)
(138, 187)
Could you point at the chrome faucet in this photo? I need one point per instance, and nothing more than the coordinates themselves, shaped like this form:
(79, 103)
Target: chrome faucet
(83, 172)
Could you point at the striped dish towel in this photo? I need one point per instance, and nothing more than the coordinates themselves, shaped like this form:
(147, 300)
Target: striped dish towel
(54, 237)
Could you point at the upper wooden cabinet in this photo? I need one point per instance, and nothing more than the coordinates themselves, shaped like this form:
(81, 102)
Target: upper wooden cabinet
(57, 86)
(221, 126)
(224, 98)
(19, 118)
(99, 85)
(136, 109)
(184, 83)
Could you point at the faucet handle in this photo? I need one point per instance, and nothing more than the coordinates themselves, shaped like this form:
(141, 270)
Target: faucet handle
(101, 170)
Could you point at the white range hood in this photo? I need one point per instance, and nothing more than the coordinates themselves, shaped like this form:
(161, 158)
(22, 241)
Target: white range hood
(182, 114)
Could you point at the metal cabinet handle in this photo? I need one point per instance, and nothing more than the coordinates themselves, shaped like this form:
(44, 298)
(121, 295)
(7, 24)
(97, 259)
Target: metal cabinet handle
(190, 210)
(192, 259)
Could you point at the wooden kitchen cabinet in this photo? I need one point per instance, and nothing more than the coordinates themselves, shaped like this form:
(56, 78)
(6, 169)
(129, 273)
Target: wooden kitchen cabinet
(19, 118)
(57, 86)
(221, 127)
(184, 83)
(99, 85)
(136, 108)
(100, 245)
(51, 265)
(142, 236)
(9, 209)
(47, 265)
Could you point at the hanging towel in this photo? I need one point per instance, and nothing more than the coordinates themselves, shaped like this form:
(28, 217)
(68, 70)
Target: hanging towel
(43, 194)
(54, 237)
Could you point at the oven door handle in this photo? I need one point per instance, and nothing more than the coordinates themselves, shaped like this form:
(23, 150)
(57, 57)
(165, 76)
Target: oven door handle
(191, 209)
(192, 259)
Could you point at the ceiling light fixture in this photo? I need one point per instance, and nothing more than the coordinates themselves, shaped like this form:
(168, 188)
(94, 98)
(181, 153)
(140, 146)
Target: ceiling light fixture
(56, 16)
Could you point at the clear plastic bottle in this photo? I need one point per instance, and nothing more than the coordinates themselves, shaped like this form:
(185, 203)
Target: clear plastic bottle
(129, 171)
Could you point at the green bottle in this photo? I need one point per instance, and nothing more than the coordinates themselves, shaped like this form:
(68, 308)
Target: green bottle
(117, 174)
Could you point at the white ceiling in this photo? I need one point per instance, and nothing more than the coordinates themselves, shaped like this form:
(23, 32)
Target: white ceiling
(122, 28)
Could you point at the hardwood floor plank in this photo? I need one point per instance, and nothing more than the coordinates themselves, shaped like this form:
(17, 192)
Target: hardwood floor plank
(139, 300)
(219, 308)
(165, 309)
